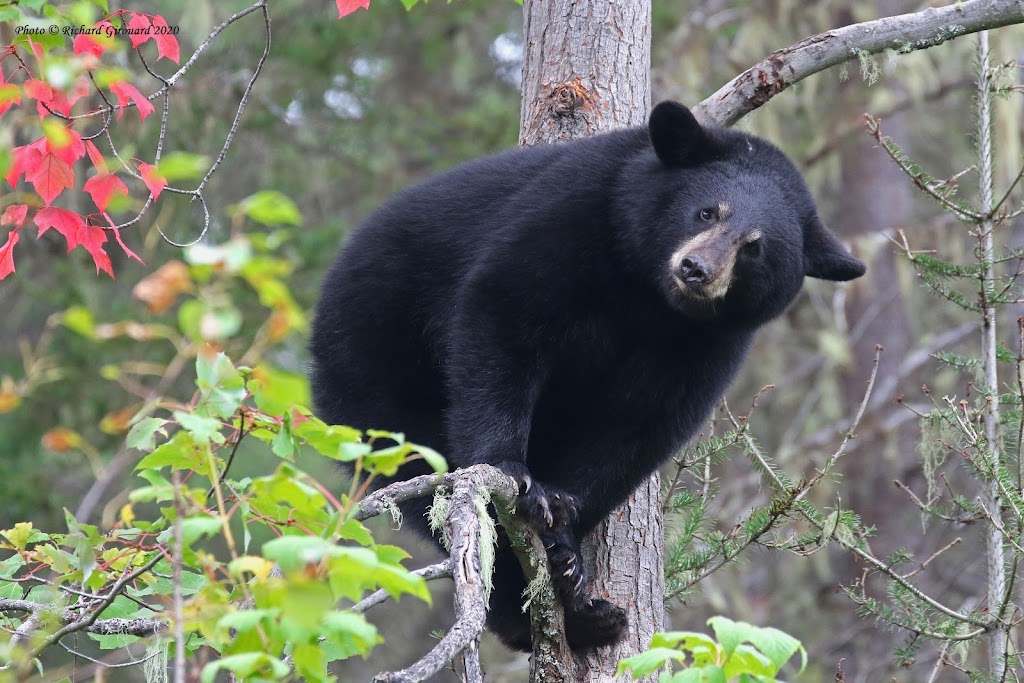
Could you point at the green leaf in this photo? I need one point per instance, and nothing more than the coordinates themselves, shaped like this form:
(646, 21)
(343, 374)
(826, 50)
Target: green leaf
(310, 663)
(246, 619)
(118, 641)
(295, 552)
(329, 439)
(270, 208)
(178, 166)
(60, 561)
(687, 640)
(730, 633)
(79, 319)
(193, 528)
(305, 604)
(397, 580)
(277, 391)
(433, 458)
(86, 556)
(189, 315)
(18, 535)
(350, 633)
(747, 660)
(649, 661)
(779, 647)
(285, 487)
(391, 554)
(353, 530)
(220, 385)
(143, 435)
(203, 429)
(701, 674)
(245, 666)
(15, 563)
(179, 453)
(283, 446)
(386, 461)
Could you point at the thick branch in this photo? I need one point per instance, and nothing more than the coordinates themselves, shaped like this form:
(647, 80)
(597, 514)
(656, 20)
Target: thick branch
(130, 627)
(552, 658)
(385, 499)
(902, 33)
(463, 528)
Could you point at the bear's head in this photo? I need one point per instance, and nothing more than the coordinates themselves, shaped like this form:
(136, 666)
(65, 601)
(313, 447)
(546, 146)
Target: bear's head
(729, 219)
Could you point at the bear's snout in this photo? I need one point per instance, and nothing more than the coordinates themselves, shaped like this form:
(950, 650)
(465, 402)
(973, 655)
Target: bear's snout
(693, 270)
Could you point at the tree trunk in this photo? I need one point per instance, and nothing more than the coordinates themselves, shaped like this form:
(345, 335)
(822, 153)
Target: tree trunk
(586, 70)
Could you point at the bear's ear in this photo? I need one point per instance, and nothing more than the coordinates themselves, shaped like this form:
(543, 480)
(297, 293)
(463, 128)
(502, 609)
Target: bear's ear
(825, 258)
(678, 139)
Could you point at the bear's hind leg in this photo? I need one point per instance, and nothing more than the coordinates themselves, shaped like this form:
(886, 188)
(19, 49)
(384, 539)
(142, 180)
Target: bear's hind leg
(589, 622)
(592, 622)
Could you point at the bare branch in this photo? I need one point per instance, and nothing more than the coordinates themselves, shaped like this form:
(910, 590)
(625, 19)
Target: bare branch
(903, 33)
(385, 498)
(129, 627)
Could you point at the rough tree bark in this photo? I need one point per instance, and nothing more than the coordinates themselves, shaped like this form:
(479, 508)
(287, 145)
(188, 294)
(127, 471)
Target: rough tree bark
(586, 70)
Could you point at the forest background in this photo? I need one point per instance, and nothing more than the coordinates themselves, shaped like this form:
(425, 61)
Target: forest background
(347, 112)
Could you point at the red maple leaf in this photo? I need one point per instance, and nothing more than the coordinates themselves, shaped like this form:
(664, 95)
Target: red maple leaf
(10, 94)
(166, 43)
(97, 159)
(154, 180)
(139, 22)
(64, 101)
(25, 158)
(7, 254)
(117, 235)
(125, 92)
(42, 93)
(86, 44)
(95, 44)
(102, 187)
(346, 7)
(92, 238)
(14, 215)
(63, 221)
(69, 149)
(49, 99)
(50, 176)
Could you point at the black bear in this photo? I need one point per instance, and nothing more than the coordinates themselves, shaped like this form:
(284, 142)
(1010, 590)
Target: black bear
(571, 314)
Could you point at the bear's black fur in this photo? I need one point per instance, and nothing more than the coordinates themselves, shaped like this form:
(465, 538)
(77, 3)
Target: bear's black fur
(569, 313)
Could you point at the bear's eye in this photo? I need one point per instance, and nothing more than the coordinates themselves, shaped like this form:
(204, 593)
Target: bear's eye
(706, 214)
(752, 248)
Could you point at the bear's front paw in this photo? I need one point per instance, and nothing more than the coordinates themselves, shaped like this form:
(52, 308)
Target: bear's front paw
(543, 506)
(594, 623)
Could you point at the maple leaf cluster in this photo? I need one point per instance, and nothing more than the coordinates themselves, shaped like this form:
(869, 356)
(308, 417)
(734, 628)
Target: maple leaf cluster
(48, 163)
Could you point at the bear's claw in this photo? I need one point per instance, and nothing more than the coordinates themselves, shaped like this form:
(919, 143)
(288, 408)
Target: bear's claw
(545, 507)
(566, 571)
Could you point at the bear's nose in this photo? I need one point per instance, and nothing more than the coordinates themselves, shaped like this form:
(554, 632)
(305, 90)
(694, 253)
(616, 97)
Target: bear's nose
(693, 270)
